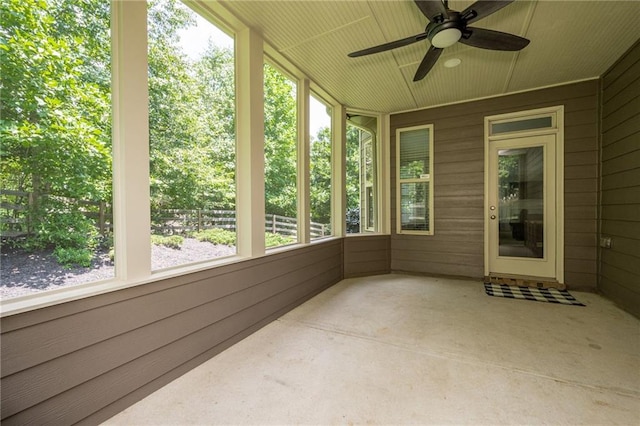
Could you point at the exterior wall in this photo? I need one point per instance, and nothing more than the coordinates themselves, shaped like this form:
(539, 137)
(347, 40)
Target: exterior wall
(620, 197)
(86, 360)
(457, 246)
(366, 255)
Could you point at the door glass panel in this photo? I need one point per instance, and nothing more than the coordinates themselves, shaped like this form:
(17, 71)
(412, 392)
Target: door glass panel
(521, 202)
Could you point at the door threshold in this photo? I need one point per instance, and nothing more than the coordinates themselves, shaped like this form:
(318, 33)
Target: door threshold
(524, 281)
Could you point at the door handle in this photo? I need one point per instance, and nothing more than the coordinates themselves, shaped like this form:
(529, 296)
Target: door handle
(493, 217)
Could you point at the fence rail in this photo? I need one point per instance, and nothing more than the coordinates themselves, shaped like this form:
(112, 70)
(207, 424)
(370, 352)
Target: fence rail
(183, 221)
(16, 221)
(17, 207)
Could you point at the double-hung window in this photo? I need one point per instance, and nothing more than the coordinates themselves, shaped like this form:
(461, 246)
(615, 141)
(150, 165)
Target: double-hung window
(414, 168)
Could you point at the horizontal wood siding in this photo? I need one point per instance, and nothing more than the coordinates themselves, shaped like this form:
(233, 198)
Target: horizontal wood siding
(91, 358)
(620, 194)
(457, 246)
(366, 255)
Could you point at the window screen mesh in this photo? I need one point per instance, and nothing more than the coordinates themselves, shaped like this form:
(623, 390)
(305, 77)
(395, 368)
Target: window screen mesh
(414, 206)
(414, 154)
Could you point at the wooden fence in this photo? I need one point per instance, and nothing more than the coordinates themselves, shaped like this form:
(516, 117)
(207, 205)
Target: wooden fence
(183, 221)
(16, 208)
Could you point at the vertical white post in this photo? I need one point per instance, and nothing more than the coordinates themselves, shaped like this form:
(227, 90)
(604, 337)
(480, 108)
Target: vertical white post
(338, 175)
(132, 223)
(304, 206)
(250, 211)
(384, 175)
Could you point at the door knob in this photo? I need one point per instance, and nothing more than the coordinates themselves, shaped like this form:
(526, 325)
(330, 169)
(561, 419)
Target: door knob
(493, 216)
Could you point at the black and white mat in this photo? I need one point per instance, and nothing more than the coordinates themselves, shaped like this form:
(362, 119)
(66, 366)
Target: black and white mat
(550, 295)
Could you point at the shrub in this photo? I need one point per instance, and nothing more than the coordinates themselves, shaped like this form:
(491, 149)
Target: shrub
(69, 257)
(274, 240)
(216, 236)
(65, 227)
(59, 224)
(172, 241)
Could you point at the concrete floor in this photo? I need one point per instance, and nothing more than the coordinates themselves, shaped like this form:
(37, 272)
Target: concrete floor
(399, 349)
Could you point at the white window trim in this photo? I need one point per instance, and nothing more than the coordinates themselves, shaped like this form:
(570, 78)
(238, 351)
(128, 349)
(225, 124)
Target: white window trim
(415, 180)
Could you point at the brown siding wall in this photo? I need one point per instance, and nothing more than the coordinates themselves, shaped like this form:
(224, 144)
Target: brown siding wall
(620, 197)
(86, 360)
(457, 248)
(366, 255)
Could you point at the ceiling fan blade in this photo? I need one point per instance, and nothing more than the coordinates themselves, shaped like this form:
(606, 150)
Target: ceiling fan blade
(494, 40)
(482, 9)
(389, 46)
(432, 8)
(429, 60)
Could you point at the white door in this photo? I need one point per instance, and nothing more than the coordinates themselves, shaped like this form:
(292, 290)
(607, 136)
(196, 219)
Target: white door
(522, 206)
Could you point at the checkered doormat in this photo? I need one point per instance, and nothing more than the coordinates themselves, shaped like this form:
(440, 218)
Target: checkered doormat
(550, 295)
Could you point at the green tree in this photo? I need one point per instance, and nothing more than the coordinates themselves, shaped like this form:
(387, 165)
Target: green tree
(55, 119)
(191, 117)
(215, 76)
(280, 134)
(320, 176)
(55, 122)
(173, 124)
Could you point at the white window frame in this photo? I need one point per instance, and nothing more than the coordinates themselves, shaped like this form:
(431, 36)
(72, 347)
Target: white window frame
(377, 184)
(425, 178)
(368, 186)
(337, 139)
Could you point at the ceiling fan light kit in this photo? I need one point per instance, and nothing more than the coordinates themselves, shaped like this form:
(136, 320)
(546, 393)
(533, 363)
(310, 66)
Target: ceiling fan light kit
(447, 27)
(445, 38)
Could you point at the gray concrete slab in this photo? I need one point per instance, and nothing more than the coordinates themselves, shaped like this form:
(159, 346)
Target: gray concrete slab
(398, 349)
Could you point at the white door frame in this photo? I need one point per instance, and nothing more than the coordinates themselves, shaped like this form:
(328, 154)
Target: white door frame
(557, 128)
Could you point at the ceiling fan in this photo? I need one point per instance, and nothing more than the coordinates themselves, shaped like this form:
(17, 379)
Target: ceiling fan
(446, 27)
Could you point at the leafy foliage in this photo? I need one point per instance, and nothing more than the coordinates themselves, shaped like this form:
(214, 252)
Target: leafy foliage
(274, 240)
(70, 257)
(320, 176)
(171, 241)
(280, 134)
(55, 122)
(216, 236)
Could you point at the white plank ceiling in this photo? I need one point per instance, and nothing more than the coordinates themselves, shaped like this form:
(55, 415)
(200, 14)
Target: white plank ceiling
(570, 41)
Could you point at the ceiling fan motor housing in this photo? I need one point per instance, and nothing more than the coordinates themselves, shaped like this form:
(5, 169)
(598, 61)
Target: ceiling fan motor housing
(446, 32)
